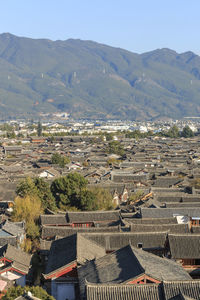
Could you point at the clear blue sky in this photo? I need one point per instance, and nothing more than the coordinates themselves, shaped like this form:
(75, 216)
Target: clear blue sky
(135, 25)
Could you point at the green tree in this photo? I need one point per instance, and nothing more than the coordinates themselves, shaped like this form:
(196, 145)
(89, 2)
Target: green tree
(60, 160)
(10, 134)
(44, 193)
(109, 136)
(187, 132)
(102, 199)
(67, 190)
(37, 187)
(173, 132)
(114, 147)
(88, 200)
(26, 187)
(14, 292)
(39, 129)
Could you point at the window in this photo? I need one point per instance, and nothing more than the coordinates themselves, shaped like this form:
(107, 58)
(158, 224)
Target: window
(139, 245)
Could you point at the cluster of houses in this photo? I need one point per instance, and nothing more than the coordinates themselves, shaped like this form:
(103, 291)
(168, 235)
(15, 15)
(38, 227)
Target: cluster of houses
(147, 248)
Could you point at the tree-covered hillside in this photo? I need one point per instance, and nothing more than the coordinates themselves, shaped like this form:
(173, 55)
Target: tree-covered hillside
(92, 80)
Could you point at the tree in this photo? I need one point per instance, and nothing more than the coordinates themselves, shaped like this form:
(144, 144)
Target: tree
(187, 132)
(67, 190)
(114, 147)
(102, 199)
(39, 188)
(26, 187)
(14, 292)
(27, 208)
(59, 159)
(39, 129)
(109, 136)
(173, 132)
(44, 193)
(10, 134)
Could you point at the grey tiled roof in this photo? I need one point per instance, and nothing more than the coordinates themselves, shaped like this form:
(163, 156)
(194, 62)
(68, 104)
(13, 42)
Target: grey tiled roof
(63, 231)
(74, 217)
(185, 246)
(114, 241)
(172, 228)
(20, 259)
(150, 221)
(190, 288)
(12, 240)
(13, 229)
(123, 292)
(58, 219)
(127, 264)
(170, 212)
(89, 216)
(75, 248)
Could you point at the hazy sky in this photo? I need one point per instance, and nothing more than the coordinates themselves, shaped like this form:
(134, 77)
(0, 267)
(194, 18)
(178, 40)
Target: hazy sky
(136, 25)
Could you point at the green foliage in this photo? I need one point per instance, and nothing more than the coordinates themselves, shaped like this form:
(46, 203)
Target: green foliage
(114, 89)
(136, 134)
(26, 187)
(114, 147)
(37, 187)
(68, 190)
(10, 134)
(60, 160)
(187, 132)
(36, 291)
(27, 208)
(44, 193)
(173, 132)
(32, 230)
(109, 136)
(102, 199)
(72, 193)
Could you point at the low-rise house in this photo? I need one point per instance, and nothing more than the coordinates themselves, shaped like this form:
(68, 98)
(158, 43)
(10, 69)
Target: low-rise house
(16, 229)
(38, 139)
(49, 173)
(49, 232)
(170, 212)
(83, 219)
(154, 242)
(185, 248)
(129, 266)
(65, 256)
(12, 150)
(14, 265)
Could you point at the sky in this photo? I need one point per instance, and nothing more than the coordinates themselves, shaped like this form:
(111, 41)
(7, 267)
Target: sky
(135, 25)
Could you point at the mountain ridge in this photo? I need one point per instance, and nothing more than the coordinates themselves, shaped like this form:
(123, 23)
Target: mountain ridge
(92, 80)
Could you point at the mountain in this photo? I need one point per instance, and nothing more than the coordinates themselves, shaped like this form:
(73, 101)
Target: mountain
(92, 80)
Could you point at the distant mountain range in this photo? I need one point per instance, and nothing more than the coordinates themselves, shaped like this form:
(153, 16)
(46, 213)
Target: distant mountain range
(92, 80)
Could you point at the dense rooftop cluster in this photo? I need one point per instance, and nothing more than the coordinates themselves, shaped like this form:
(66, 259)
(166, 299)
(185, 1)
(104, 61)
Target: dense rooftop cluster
(146, 247)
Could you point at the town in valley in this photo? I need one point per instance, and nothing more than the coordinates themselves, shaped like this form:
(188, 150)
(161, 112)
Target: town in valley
(98, 209)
